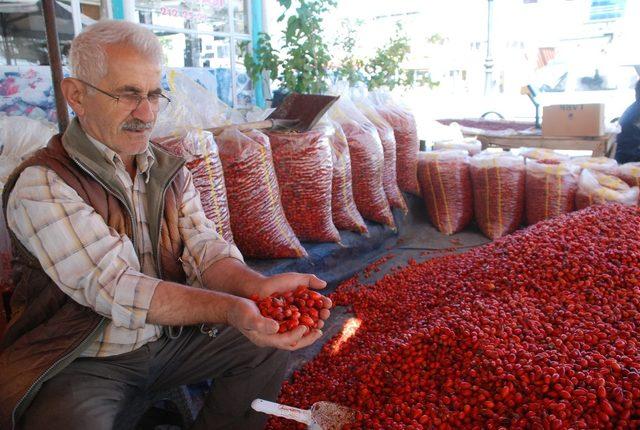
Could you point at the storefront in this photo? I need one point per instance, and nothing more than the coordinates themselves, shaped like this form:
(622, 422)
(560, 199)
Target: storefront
(207, 39)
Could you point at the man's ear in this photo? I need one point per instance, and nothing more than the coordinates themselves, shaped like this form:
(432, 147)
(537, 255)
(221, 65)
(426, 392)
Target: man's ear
(74, 92)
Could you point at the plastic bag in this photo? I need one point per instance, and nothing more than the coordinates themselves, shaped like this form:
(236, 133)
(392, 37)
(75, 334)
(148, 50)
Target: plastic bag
(470, 144)
(304, 170)
(260, 228)
(446, 188)
(407, 144)
(498, 192)
(551, 187)
(599, 188)
(630, 173)
(19, 137)
(387, 137)
(604, 165)
(191, 107)
(202, 157)
(343, 206)
(542, 154)
(367, 161)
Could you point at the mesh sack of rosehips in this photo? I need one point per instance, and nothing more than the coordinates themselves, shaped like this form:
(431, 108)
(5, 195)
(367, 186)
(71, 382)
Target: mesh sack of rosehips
(605, 165)
(292, 309)
(542, 154)
(343, 206)
(304, 170)
(200, 152)
(446, 188)
(551, 187)
(387, 137)
(367, 161)
(258, 222)
(407, 144)
(498, 192)
(470, 144)
(630, 173)
(598, 188)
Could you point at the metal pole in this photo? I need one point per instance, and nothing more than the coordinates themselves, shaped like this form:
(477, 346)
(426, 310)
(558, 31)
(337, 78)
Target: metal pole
(48, 10)
(76, 16)
(488, 62)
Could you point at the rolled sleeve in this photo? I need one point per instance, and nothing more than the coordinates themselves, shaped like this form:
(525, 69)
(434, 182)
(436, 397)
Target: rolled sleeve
(203, 245)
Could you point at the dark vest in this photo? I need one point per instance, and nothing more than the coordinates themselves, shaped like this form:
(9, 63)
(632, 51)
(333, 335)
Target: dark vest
(48, 329)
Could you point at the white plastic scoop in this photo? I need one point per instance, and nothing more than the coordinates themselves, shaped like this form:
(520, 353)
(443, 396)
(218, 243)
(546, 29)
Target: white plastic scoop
(321, 416)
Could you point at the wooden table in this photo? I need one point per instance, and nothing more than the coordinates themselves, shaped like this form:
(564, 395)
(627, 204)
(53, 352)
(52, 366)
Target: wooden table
(601, 146)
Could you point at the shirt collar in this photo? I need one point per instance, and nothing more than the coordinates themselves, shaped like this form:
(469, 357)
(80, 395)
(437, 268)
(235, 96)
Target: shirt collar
(144, 160)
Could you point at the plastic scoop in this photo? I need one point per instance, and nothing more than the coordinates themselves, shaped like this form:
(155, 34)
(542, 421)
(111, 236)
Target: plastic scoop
(321, 416)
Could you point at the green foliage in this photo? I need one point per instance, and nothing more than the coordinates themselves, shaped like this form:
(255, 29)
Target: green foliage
(302, 64)
(384, 68)
(351, 67)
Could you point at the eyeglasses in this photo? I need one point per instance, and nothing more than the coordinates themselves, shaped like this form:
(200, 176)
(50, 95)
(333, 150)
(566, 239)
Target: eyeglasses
(131, 101)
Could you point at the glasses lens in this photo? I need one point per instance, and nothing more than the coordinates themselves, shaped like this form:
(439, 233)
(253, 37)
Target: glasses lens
(130, 101)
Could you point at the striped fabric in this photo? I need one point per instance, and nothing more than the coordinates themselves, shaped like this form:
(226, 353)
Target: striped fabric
(96, 266)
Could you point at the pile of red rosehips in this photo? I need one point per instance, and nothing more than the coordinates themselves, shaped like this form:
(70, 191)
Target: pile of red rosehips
(537, 330)
(293, 308)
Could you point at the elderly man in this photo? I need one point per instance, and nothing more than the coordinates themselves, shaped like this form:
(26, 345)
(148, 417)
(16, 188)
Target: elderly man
(112, 249)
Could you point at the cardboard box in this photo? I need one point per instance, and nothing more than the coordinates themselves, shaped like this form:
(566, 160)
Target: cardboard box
(586, 120)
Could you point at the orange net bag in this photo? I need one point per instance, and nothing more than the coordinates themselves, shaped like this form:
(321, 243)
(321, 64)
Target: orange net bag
(498, 192)
(259, 225)
(446, 188)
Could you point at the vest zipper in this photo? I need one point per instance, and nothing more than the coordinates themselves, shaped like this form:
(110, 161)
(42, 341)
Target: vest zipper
(90, 337)
(110, 190)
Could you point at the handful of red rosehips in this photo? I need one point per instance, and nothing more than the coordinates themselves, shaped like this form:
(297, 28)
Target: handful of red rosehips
(293, 308)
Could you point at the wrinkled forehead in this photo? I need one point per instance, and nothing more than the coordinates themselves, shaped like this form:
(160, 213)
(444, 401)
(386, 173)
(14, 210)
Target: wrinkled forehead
(128, 67)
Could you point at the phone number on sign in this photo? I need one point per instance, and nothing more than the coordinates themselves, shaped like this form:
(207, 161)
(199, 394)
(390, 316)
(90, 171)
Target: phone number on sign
(186, 14)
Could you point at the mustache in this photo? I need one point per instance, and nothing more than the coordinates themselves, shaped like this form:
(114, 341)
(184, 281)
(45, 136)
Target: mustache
(136, 125)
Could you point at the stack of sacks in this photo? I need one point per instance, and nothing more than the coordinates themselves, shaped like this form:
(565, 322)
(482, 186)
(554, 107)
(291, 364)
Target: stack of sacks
(304, 169)
(343, 206)
(498, 192)
(387, 137)
(259, 225)
(407, 144)
(446, 188)
(599, 188)
(367, 161)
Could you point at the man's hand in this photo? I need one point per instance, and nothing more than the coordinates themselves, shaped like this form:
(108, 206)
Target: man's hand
(290, 282)
(245, 316)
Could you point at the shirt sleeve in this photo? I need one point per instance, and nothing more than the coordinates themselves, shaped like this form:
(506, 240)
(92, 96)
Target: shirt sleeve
(203, 245)
(88, 260)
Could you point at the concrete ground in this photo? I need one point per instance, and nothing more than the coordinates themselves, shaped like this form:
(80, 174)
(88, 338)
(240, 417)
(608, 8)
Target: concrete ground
(416, 236)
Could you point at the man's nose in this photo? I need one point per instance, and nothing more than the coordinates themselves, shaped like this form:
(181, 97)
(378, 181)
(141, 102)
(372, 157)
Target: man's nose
(144, 112)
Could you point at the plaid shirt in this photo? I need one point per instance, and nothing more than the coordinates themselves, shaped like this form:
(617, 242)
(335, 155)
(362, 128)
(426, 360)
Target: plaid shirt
(96, 266)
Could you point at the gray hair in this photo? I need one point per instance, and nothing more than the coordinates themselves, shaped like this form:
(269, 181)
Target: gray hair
(88, 57)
